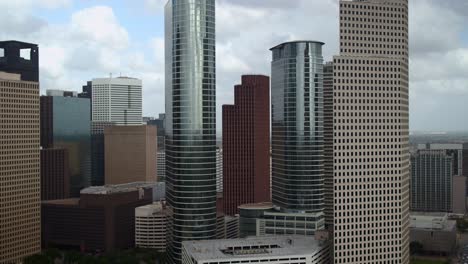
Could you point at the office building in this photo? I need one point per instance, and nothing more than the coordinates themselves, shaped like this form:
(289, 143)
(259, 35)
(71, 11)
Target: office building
(101, 220)
(130, 154)
(219, 170)
(20, 187)
(434, 232)
(65, 124)
(246, 144)
(190, 122)
(459, 195)
(273, 250)
(55, 174)
(150, 226)
(328, 142)
(263, 219)
(431, 181)
(371, 165)
(161, 166)
(297, 130)
(159, 123)
(114, 101)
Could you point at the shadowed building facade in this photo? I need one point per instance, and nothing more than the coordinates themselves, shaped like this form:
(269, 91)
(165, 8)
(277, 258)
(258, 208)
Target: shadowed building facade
(190, 122)
(246, 144)
(20, 187)
(55, 174)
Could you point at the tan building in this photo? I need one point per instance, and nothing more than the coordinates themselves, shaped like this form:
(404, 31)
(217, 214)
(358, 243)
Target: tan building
(371, 159)
(20, 199)
(459, 195)
(130, 154)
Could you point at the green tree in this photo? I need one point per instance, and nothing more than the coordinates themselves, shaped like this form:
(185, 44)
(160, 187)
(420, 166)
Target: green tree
(37, 259)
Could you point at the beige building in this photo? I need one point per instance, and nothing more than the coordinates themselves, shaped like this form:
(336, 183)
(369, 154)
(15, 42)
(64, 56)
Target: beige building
(130, 154)
(371, 159)
(20, 208)
(434, 232)
(150, 226)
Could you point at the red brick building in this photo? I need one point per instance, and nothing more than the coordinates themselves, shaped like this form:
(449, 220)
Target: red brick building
(246, 144)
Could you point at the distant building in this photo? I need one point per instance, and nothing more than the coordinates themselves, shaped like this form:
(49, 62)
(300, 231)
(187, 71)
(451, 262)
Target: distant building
(20, 183)
(434, 231)
(219, 170)
(459, 195)
(161, 166)
(150, 226)
(274, 250)
(246, 144)
(102, 219)
(114, 101)
(55, 174)
(130, 154)
(227, 227)
(431, 181)
(159, 123)
(328, 141)
(65, 124)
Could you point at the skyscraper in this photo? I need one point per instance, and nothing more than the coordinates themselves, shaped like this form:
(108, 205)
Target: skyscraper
(432, 181)
(20, 200)
(371, 165)
(297, 129)
(328, 141)
(65, 123)
(190, 122)
(246, 144)
(114, 101)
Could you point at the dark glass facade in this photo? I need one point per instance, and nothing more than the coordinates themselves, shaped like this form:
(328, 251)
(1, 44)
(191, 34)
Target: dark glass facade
(65, 123)
(190, 122)
(246, 144)
(297, 127)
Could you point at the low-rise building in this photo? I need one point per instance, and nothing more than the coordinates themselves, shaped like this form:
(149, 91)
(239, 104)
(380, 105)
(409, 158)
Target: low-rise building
(274, 250)
(434, 232)
(102, 219)
(150, 226)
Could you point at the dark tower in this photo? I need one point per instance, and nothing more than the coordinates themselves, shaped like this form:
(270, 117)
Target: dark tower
(13, 62)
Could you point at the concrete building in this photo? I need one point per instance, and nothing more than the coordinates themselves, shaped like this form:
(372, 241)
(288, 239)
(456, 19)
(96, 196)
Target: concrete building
(227, 227)
(161, 166)
(274, 250)
(55, 174)
(65, 124)
(219, 170)
(130, 154)
(431, 181)
(102, 219)
(263, 219)
(150, 226)
(297, 129)
(246, 144)
(434, 232)
(190, 122)
(114, 101)
(159, 123)
(459, 195)
(20, 187)
(371, 159)
(328, 141)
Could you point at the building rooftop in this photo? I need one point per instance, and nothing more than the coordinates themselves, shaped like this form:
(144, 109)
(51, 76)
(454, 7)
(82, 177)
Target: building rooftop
(10, 76)
(257, 206)
(148, 210)
(297, 41)
(71, 201)
(274, 246)
(118, 188)
(431, 221)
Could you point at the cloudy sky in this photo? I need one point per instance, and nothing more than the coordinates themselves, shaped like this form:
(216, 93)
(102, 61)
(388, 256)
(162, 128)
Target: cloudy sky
(84, 39)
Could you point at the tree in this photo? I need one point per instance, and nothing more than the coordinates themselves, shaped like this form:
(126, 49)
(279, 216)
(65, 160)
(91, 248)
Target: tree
(36, 259)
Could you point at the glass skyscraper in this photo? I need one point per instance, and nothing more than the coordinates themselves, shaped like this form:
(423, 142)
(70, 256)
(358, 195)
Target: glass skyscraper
(297, 128)
(190, 122)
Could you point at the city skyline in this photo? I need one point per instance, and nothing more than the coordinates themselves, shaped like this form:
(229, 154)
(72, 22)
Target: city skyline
(74, 50)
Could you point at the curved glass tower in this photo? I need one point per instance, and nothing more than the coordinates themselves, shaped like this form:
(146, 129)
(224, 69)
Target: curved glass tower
(297, 128)
(190, 122)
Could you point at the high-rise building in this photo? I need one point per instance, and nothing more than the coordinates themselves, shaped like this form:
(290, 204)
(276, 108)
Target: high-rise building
(246, 144)
(459, 195)
(114, 101)
(130, 154)
(20, 187)
(297, 129)
(219, 170)
(431, 181)
(190, 122)
(159, 123)
(65, 124)
(371, 159)
(328, 141)
(55, 174)
(161, 166)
